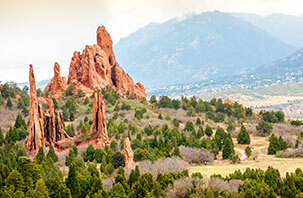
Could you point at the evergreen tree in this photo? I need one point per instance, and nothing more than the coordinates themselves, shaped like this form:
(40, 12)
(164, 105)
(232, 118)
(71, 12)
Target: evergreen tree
(273, 179)
(40, 157)
(72, 181)
(20, 122)
(15, 179)
(248, 151)
(9, 103)
(288, 188)
(274, 145)
(208, 130)
(160, 116)
(118, 191)
(243, 136)
(134, 175)
(282, 143)
(41, 189)
(52, 154)
(227, 149)
(189, 126)
(198, 121)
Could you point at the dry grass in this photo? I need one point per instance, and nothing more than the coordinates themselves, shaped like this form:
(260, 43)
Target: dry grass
(284, 165)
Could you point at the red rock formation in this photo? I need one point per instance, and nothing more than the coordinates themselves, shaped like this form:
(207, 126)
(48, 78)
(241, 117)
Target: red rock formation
(57, 83)
(54, 130)
(99, 120)
(97, 67)
(228, 101)
(35, 137)
(128, 155)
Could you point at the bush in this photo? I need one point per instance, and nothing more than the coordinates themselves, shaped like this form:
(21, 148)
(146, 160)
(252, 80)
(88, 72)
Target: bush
(248, 151)
(264, 127)
(195, 155)
(70, 89)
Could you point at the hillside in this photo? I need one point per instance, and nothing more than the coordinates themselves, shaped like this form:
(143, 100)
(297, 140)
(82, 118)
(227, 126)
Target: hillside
(197, 48)
(284, 27)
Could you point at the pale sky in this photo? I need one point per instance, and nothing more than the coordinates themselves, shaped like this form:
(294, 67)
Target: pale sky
(40, 32)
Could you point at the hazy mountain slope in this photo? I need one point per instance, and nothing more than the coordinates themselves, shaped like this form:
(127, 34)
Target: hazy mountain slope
(285, 27)
(212, 44)
(289, 64)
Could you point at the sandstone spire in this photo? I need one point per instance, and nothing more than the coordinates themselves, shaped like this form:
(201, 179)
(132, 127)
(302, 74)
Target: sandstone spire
(97, 67)
(54, 130)
(99, 120)
(57, 83)
(128, 155)
(35, 137)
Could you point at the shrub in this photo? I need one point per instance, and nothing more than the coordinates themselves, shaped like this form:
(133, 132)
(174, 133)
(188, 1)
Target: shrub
(264, 127)
(70, 89)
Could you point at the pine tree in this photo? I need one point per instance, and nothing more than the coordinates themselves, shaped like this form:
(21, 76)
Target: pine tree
(72, 181)
(274, 145)
(160, 116)
(198, 121)
(227, 149)
(208, 130)
(41, 189)
(9, 103)
(134, 175)
(15, 179)
(118, 191)
(52, 154)
(243, 136)
(20, 122)
(40, 157)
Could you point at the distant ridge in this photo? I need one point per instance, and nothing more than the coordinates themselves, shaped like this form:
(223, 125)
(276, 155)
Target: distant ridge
(200, 47)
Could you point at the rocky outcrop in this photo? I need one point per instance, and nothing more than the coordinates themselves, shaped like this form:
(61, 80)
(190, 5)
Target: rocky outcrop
(57, 83)
(45, 128)
(228, 101)
(99, 120)
(97, 67)
(35, 137)
(53, 128)
(128, 155)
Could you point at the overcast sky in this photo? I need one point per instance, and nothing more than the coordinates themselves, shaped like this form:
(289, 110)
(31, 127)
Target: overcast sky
(40, 32)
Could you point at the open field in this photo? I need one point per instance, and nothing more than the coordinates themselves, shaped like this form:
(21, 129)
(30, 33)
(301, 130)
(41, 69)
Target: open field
(259, 151)
(284, 165)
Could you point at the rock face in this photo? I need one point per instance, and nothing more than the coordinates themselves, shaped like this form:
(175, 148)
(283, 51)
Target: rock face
(45, 128)
(128, 155)
(53, 127)
(99, 120)
(97, 67)
(57, 83)
(35, 137)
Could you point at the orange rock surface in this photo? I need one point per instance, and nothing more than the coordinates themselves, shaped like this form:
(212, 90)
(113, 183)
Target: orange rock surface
(57, 83)
(35, 137)
(128, 155)
(99, 120)
(96, 67)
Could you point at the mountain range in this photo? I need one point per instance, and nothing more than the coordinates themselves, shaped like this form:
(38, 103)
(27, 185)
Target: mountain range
(200, 47)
